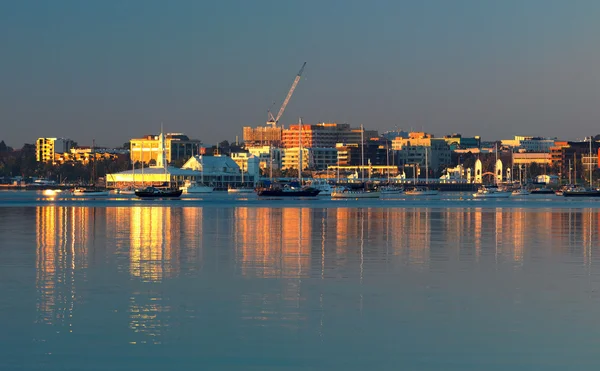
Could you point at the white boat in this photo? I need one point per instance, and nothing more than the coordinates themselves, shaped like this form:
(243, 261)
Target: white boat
(390, 190)
(491, 192)
(520, 192)
(359, 193)
(194, 188)
(422, 191)
(89, 192)
(325, 188)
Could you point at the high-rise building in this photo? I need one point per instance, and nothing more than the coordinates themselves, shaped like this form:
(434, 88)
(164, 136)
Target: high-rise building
(177, 146)
(46, 148)
(324, 135)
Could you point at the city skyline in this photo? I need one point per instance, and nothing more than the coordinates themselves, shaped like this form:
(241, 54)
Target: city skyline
(112, 70)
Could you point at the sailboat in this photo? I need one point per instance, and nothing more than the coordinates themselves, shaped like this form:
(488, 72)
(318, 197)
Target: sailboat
(242, 188)
(522, 191)
(275, 190)
(389, 189)
(358, 193)
(93, 191)
(193, 188)
(153, 192)
(582, 191)
(423, 191)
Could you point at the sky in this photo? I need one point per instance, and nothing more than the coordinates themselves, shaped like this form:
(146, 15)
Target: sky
(112, 70)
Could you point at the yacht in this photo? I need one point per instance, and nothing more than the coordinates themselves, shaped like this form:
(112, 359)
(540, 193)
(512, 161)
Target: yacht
(521, 192)
(193, 188)
(583, 191)
(325, 189)
(355, 193)
(151, 192)
(287, 191)
(422, 191)
(390, 190)
(491, 192)
(89, 192)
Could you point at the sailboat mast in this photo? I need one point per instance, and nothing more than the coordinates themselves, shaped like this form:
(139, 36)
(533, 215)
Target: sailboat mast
(362, 153)
(426, 166)
(94, 161)
(590, 162)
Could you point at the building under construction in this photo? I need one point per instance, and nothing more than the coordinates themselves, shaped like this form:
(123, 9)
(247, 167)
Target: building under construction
(263, 136)
(271, 134)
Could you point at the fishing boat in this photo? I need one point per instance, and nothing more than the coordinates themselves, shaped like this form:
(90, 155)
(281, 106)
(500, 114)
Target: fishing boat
(152, 192)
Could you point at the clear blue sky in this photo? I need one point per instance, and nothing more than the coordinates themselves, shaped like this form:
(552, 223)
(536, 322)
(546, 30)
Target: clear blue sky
(112, 70)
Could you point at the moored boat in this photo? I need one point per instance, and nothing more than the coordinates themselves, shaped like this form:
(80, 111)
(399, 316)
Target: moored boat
(390, 190)
(355, 193)
(581, 192)
(325, 189)
(491, 192)
(193, 188)
(89, 192)
(151, 192)
(287, 191)
(542, 191)
(521, 192)
(421, 191)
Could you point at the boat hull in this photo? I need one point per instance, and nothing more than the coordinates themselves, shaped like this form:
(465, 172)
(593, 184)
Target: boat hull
(421, 193)
(581, 194)
(158, 194)
(353, 194)
(492, 195)
(90, 193)
(287, 193)
(197, 189)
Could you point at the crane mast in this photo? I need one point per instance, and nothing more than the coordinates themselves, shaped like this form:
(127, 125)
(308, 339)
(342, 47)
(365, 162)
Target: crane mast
(274, 120)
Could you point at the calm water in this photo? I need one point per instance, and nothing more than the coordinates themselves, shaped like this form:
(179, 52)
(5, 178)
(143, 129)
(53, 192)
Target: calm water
(446, 284)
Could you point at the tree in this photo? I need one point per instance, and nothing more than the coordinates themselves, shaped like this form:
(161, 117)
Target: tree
(3, 147)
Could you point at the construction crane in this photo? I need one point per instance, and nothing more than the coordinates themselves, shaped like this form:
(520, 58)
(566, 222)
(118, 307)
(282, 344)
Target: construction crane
(274, 120)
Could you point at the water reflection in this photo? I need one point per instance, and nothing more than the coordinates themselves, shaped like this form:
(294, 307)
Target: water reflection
(282, 251)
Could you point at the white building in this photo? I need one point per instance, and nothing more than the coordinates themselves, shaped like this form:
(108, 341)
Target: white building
(222, 171)
(312, 158)
(267, 155)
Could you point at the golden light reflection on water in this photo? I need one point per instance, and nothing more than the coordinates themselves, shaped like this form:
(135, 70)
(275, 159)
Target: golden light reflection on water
(62, 249)
(151, 245)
